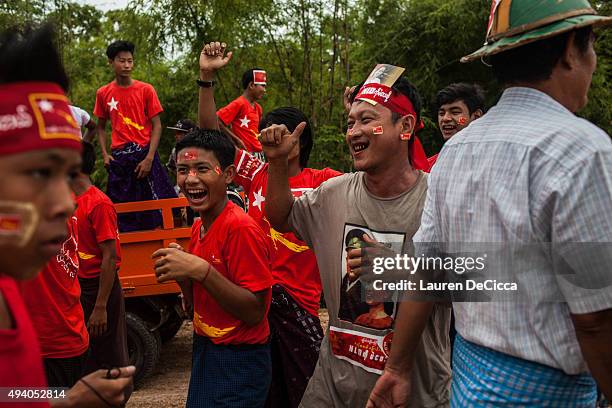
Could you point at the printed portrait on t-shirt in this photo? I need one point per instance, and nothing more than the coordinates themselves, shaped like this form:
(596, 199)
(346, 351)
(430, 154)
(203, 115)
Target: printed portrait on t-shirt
(360, 305)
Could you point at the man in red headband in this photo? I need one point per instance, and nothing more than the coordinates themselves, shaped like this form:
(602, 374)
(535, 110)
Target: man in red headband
(244, 113)
(39, 151)
(379, 204)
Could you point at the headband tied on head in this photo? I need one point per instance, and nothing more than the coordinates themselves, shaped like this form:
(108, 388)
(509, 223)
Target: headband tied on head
(35, 116)
(375, 93)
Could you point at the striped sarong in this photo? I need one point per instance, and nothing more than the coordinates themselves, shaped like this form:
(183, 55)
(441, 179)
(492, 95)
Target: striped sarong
(483, 377)
(124, 186)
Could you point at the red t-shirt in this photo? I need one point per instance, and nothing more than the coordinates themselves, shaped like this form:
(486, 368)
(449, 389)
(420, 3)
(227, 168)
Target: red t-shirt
(244, 119)
(432, 160)
(53, 302)
(294, 265)
(20, 362)
(130, 111)
(97, 223)
(236, 247)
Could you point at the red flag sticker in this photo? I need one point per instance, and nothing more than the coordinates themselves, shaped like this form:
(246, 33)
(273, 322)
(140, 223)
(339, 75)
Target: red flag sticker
(259, 77)
(10, 223)
(378, 130)
(462, 121)
(53, 116)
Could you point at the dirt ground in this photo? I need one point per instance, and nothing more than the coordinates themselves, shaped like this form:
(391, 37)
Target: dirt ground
(167, 387)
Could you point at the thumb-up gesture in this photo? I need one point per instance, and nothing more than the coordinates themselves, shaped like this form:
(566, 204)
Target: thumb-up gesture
(213, 57)
(278, 142)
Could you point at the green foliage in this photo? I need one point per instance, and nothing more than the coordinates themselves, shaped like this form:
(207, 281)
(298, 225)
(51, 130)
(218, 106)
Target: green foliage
(311, 50)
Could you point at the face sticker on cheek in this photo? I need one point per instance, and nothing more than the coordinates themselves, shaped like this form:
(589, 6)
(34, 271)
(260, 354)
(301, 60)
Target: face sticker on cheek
(349, 131)
(17, 223)
(462, 121)
(218, 170)
(378, 130)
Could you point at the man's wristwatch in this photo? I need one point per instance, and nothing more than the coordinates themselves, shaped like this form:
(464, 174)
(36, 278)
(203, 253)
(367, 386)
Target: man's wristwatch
(205, 84)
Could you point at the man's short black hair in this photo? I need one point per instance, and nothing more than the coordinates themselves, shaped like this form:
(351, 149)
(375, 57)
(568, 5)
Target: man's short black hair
(88, 157)
(535, 61)
(291, 117)
(211, 140)
(471, 94)
(247, 77)
(119, 46)
(30, 54)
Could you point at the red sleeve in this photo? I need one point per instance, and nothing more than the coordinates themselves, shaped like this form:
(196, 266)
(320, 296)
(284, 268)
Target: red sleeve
(228, 113)
(325, 175)
(100, 107)
(247, 166)
(248, 258)
(153, 106)
(103, 219)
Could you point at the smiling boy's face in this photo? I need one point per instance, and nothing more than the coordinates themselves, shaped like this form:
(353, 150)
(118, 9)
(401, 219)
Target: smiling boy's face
(201, 179)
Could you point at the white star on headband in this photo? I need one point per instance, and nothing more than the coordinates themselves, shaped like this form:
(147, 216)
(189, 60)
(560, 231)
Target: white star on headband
(45, 106)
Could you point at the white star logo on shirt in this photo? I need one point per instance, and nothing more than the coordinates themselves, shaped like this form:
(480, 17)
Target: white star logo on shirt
(45, 106)
(244, 122)
(113, 104)
(258, 199)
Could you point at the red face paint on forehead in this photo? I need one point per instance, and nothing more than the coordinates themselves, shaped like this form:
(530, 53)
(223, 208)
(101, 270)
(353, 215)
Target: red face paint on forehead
(378, 130)
(190, 155)
(462, 121)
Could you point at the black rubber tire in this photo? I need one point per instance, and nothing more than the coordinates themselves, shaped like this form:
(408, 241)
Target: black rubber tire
(144, 347)
(169, 329)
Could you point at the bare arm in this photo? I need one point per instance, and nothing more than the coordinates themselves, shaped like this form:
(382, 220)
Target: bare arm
(91, 130)
(594, 333)
(277, 143)
(174, 264)
(98, 321)
(279, 199)
(101, 130)
(144, 167)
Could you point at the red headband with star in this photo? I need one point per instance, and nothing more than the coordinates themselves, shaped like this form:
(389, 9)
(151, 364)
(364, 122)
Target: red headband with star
(35, 116)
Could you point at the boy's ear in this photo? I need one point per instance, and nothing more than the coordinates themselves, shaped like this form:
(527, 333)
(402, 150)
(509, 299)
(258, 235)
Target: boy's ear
(229, 173)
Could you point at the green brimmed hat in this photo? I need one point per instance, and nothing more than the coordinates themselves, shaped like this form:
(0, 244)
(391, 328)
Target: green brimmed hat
(513, 23)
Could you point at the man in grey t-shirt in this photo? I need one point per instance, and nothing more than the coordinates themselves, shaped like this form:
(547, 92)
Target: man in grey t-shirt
(380, 203)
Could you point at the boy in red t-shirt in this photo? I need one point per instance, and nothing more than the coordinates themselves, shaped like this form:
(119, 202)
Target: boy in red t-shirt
(99, 259)
(53, 302)
(226, 276)
(135, 172)
(296, 332)
(37, 158)
(244, 113)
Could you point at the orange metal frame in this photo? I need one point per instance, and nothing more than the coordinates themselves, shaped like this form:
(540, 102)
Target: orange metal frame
(136, 273)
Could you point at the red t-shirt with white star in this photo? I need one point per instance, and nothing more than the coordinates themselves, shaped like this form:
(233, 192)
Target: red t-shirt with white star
(294, 265)
(130, 110)
(244, 120)
(53, 300)
(236, 247)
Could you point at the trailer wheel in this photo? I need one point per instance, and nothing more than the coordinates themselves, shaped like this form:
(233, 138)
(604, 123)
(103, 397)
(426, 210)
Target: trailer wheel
(169, 329)
(144, 347)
